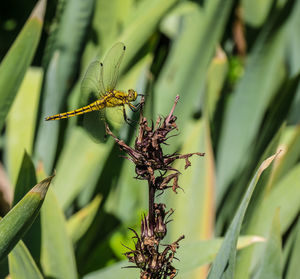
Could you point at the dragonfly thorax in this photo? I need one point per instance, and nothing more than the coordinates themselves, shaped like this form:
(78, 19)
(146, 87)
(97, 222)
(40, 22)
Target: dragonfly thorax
(132, 95)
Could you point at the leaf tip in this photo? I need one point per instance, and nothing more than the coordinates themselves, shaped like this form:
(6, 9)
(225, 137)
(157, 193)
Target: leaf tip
(39, 10)
(42, 187)
(266, 163)
(257, 238)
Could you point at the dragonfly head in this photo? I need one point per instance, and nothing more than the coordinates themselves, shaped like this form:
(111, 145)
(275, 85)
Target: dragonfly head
(132, 95)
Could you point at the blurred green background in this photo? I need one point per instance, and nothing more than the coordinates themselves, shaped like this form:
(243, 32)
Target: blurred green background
(236, 67)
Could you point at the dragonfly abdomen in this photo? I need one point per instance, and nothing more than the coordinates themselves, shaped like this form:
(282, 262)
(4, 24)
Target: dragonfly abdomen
(97, 105)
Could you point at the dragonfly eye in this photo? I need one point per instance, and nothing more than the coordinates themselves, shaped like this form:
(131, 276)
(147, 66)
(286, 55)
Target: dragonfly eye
(132, 94)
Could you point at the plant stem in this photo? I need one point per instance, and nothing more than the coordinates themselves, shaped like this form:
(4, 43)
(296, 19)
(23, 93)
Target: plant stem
(151, 205)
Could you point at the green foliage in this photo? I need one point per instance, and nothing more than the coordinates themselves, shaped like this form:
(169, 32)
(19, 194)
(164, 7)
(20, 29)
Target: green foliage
(54, 234)
(21, 264)
(17, 221)
(224, 264)
(20, 55)
(236, 67)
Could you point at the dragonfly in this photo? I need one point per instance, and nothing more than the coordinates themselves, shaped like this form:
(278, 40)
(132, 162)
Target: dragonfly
(100, 80)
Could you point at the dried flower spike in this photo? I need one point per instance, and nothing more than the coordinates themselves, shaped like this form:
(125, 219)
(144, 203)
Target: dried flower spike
(153, 165)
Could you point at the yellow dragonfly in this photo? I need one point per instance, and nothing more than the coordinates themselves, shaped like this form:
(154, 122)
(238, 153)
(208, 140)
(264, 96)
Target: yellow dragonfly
(100, 80)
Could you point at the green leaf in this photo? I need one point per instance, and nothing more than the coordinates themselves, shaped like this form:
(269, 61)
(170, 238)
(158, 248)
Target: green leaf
(141, 21)
(171, 23)
(294, 259)
(294, 115)
(263, 76)
(224, 264)
(141, 24)
(19, 219)
(50, 44)
(287, 249)
(229, 205)
(26, 178)
(80, 222)
(293, 42)
(289, 188)
(57, 255)
(21, 264)
(256, 11)
(62, 69)
(260, 222)
(196, 201)
(90, 158)
(273, 124)
(128, 196)
(268, 136)
(216, 75)
(105, 27)
(14, 65)
(21, 120)
(272, 264)
(276, 117)
(190, 258)
(289, 158)
(114, 271)
(185, 70)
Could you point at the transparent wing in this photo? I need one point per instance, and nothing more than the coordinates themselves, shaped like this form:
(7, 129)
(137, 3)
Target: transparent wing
(115, 117)
(93, 122)
(91, 89)
(111, 65)
(92, 83)
(94, 125)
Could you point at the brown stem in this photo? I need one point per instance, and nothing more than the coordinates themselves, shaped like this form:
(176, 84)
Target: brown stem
(151, 205)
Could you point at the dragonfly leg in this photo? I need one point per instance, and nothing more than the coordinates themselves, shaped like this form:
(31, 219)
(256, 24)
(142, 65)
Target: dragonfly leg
(127, 120)
(125, 116)
(134, 108)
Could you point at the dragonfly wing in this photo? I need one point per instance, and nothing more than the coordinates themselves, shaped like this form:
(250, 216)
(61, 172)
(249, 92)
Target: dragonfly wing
(111, 66)
(92, 84)
(91, 89)
(94, 125)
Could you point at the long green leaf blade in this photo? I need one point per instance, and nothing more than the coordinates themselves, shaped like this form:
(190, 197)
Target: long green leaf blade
(90, 158)
(293, 265)
(62, 68)
(79, 223)
(21, 121)
(272, 264)
(26, 178)
(145, 19)
(19, 219)
(19, 57)
(224, 264)
(285, 195)
(21, 263)
(263, 75)
(57, 255)
(185, 69)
